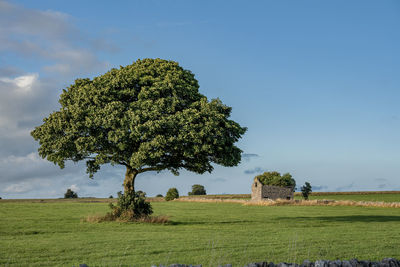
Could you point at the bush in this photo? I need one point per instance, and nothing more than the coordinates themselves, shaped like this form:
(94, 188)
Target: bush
(172, 194)
(197, 189)
(141, 193)
(275, 178)
(159, 195)
(111, 196)
(70, 194)
(130, 207)
(306, 189)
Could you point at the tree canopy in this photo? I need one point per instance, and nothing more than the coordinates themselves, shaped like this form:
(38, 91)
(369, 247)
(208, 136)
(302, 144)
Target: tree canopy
(197, 189)
(70, 194)
(148, 116)
(306, 189)
(172, 194)
(275, 178)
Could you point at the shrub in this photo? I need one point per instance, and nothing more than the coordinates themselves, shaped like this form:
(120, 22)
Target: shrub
(141, 193)
(159, 195)
(130, 207)
(111, 196)
(172, 194)
(197, 189)
(70, 194)
(306, 189)
(275, 178)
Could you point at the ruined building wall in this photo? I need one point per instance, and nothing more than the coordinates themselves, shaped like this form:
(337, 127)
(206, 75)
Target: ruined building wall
(260, 191)
(274, 192)
(256, 190)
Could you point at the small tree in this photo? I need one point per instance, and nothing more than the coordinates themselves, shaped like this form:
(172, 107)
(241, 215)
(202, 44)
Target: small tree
(128, 210)
(141, 193)
(111, 196)
(306, 189)
(159, 195)
(172, 194)
(70, 194)
(197, 189)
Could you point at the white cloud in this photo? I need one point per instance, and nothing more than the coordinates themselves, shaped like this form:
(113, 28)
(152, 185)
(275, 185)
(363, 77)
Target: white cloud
(74, 188)
(30, 158)
(23, 83)
(22, 187)
(20, 168)
(23, 101)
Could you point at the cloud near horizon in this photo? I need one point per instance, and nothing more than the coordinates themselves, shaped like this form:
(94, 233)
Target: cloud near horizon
(345, 187)
(316, 188)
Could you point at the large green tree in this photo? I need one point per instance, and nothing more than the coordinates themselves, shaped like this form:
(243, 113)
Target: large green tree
(148, 116)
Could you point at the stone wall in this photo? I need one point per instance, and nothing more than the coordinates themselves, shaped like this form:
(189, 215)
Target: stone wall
(256, 190)
(260, 191)
(274, 192)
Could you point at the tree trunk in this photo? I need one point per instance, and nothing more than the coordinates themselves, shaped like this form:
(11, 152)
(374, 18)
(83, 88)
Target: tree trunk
(129, 182)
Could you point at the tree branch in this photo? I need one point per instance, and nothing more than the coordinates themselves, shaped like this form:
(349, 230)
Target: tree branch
(159, 168)
(123, 163)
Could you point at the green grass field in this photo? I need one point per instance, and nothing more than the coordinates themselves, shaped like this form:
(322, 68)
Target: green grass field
(50, 233)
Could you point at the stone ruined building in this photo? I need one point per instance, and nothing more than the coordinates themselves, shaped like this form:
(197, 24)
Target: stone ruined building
(264, 192)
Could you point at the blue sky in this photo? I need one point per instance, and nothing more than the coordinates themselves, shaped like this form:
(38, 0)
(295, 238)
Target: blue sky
(316, 82)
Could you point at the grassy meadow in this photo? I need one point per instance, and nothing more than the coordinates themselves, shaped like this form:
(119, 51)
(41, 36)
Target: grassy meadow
(52, 233)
